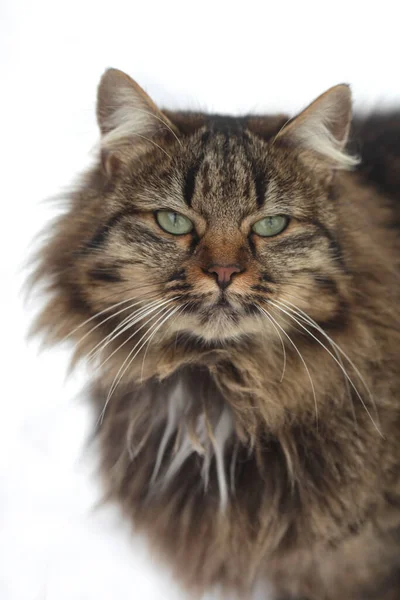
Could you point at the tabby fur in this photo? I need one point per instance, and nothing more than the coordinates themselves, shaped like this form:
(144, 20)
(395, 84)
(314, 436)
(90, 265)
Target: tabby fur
(237, 471)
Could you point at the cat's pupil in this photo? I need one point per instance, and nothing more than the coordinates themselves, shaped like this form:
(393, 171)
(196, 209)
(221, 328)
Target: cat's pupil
(173, 218)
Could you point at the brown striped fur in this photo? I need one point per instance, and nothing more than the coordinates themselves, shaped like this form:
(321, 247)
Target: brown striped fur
(313, 480)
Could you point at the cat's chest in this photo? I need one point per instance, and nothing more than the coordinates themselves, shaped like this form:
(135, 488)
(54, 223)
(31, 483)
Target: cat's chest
(175, 444)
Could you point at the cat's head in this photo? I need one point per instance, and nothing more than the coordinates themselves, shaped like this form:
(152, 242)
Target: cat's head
(199, 225)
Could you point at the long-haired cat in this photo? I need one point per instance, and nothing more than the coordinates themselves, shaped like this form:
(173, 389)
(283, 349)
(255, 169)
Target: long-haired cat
(234, 282)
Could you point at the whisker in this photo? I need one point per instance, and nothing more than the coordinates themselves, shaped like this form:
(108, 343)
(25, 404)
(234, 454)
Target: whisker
(283, 126)
(169, 311)
(339, 349)
(112, 316)
(129, 359)
(152, 142)
(300, 356)
(117, 377)
(182, 308)
(147, 112)
(98, 314)
(133, 334)
(313, 324)
(131, 319)
(335, 359)
(109, 308)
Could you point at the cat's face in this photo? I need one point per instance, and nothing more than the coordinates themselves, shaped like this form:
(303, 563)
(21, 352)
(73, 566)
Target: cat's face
(186, 228)
(206, 229)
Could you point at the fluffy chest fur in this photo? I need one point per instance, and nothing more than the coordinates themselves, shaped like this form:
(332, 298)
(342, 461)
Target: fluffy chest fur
(175, 457)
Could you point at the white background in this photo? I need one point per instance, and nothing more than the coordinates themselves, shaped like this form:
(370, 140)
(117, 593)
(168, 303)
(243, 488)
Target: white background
(219, 56)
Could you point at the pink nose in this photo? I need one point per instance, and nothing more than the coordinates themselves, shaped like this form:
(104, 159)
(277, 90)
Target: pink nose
(224, 273)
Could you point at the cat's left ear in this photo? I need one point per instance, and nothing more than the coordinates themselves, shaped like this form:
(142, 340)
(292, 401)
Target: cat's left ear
(127, 117)
(323, 128)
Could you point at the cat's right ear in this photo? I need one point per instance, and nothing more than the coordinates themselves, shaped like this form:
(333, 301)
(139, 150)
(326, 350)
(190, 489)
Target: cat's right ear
(128, 119)
(323, 128)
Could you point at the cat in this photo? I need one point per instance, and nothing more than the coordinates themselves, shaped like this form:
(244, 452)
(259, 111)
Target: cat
(234, 283)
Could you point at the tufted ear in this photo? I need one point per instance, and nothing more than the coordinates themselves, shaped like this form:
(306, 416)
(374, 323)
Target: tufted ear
(127, 116)
(323, 127)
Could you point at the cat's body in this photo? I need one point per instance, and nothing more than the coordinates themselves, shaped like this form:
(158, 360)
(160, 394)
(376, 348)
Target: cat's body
(246, 443)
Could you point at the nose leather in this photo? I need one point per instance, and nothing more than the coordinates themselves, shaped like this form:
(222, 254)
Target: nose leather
(224, 273)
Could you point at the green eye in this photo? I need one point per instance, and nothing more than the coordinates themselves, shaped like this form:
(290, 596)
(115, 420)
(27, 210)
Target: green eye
(173, 222)
(270, 226)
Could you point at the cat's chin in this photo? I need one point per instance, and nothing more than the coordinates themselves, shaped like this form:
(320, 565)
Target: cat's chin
(218, 323)
(198, 341)
(219, 328)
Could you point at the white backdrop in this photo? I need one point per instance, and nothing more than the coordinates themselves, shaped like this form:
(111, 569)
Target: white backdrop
(219, 56)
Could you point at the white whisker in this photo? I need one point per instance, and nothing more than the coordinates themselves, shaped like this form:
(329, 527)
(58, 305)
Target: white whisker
(334, 358)
(148, 346)
(338, 348)
(151, 142)
(136, 319)
(300, 356)
(113, 315)
(154, 116)
(98, 314)
(130, 320)
(311, 322)
(129, 359)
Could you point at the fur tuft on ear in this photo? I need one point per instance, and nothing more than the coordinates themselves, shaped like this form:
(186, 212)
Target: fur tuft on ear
(125, 111)
(323, 127)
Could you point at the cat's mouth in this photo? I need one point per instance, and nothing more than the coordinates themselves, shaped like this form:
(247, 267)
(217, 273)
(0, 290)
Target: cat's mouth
(223, 303)
(223, 306)
(223, 319)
